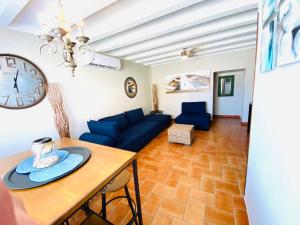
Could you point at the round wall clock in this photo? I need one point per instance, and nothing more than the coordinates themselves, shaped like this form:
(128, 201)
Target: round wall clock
(22, 83)
(130, 87)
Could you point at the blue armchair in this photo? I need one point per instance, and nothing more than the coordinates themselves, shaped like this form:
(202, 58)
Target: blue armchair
(194, 113)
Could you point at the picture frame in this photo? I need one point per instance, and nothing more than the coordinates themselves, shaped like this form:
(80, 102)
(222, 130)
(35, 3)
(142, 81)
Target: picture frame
(226, 86)
(130, 87)
(197, 81)
(280, 39)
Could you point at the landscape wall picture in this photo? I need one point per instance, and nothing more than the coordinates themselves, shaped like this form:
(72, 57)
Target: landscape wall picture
(188, 82)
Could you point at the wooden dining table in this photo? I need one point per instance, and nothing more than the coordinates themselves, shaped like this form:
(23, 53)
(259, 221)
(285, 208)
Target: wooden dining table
(55, 202)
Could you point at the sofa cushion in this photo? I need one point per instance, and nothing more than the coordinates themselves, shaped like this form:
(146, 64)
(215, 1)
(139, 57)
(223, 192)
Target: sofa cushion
(158, 117)
(201, 122)
(144, 127)
(98, 139)
(120, 119)
(135, 116)
(131, 140)
(110, 129)
(193, 107)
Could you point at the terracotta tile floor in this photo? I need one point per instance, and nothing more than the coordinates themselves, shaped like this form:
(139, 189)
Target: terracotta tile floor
(183, 185)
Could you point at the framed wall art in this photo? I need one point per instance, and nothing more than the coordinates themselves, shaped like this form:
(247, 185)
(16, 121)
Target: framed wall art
(130, 87)
(280, 40)
(226, 86)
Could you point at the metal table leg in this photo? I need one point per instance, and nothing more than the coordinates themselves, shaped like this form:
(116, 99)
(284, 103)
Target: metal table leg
(137, 191)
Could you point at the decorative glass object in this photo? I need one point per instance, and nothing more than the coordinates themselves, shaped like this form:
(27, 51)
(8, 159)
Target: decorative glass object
(41, 149)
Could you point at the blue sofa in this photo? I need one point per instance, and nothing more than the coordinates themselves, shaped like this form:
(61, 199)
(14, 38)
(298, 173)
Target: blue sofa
(130, 130)
(194, 113)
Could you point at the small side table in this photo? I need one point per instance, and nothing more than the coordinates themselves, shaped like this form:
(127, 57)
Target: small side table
(181, 133)
(158, 112)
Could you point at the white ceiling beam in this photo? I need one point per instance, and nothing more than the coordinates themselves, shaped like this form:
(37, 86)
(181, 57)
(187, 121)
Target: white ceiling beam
(196, 48)
(74, 13)
(170, 59)
(9, 11)
(208, 54)
(28, 21)
(237, 20)
(191, 16)
(228, 48)
(129, 14)
(250, 29)
(220, 43)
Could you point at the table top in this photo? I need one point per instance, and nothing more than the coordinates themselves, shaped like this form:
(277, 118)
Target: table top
(184, 127)
(55, 202)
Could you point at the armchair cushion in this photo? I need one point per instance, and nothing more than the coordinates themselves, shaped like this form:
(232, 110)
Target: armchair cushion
(110, 129)
(200, 122)
(135, 116)
(193, 107)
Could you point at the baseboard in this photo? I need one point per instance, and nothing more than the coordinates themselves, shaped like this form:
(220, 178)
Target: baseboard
(228, 116)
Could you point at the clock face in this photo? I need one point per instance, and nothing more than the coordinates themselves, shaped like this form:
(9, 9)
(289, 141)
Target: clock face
(22, 84)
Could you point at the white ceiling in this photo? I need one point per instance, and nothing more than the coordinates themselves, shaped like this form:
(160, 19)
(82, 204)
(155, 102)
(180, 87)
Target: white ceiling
(148, 32)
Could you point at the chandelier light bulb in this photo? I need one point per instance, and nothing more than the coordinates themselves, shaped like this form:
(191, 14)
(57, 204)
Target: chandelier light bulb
(80, 26)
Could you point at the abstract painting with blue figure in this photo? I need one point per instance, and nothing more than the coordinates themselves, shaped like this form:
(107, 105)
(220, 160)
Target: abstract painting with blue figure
(288, 32)
(269, 10)
(268, 47)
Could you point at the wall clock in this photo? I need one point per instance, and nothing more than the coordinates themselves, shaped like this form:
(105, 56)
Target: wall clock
(130, 87)
(22, 83)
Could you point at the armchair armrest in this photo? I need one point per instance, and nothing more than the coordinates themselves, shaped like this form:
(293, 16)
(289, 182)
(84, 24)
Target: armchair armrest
(208, 115)
(97, 139)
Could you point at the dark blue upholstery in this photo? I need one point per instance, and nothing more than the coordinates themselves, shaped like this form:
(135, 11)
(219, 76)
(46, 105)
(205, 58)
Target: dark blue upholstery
(120, 119)
(194, 113)
(193, 107)
(110, 129)
(144, 126)
(134, 116)
(139, 133)
(158, 117)
(97, 139)
(133, 141)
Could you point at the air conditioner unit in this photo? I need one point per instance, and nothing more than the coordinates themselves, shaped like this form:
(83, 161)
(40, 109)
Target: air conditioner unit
(106, 62)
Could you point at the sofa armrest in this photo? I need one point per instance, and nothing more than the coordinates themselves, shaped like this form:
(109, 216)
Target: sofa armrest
(98, 139)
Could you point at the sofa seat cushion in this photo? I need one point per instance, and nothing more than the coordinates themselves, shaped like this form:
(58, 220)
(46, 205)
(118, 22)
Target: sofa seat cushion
(193, 107)
(135, 116)
(199, 121)
(120, 119)
(144, 127)
(131, 140)
(110, 129)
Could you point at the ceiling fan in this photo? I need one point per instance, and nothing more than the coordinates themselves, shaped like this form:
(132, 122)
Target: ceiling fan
(187, 53)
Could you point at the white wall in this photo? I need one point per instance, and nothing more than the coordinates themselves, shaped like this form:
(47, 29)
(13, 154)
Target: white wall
(236, 60)
(92, 94)
(273, 184)
(230, 105)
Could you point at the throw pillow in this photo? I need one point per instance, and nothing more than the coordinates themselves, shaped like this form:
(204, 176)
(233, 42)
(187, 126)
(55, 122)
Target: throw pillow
(110, 129)
(135, 116)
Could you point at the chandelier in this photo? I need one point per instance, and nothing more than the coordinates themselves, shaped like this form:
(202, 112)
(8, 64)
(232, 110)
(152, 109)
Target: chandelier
(57, 43)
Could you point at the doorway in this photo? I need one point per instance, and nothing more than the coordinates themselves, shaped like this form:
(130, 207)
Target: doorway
(229, 94)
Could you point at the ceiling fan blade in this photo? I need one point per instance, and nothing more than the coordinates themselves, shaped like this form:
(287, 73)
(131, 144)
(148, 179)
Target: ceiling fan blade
(193, 50)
